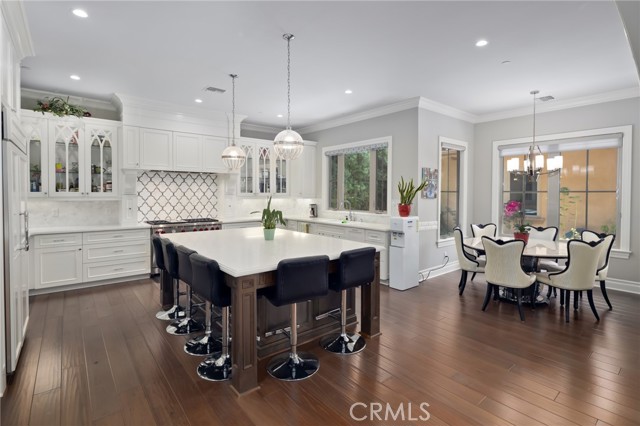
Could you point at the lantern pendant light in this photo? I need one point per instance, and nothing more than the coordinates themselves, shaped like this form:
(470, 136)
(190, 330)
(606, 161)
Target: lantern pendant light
(233, 156)
(288, 143)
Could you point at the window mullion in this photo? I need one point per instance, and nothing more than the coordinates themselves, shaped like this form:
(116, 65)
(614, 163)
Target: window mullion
(340, 189)
(372, 180)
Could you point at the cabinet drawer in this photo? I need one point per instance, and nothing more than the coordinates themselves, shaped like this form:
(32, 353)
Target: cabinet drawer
(109, 236)
(57, 240)
(377, 237)
(240, 225)
(106, 270)
(112, 251)
(331, 231)
(354, 234)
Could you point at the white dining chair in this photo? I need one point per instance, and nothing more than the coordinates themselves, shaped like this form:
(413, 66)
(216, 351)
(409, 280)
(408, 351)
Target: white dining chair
(550, 233)
(603, 262)
(479, 230)
(578, 274)
(504, 269)
(467, 261)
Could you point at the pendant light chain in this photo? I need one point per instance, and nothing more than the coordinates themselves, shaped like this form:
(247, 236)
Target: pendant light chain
(288, 37)
(233, 108)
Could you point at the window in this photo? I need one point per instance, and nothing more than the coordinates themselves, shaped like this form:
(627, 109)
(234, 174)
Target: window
(357, 175)
(452, 187)
(591, 192)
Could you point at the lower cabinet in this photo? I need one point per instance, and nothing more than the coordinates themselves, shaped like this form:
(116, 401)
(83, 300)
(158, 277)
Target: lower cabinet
(236, 225)
(66, 259)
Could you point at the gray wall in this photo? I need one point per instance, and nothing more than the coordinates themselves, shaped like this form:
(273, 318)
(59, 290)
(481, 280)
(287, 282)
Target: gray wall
(257, 135)
(608, 114)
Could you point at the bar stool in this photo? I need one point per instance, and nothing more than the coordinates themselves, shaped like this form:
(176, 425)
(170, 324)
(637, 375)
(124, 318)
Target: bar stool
(187, 325)
(355, 268)
(208, 282)
(166, 259)
(297, 280)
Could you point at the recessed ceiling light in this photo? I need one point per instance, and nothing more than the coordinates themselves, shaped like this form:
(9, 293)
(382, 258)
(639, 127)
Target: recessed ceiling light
(481, 43)
(348, 91)
(280, 116)
(80, 13)
(199, 101)
(74, 77)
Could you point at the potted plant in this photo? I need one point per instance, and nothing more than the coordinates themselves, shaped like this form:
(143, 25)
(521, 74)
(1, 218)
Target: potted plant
(407, 192)
(60, 107)
(514, 214)
(270, 218)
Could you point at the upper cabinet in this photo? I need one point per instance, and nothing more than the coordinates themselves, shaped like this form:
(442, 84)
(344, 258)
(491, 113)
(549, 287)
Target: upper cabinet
(303, 172)
(10, 72)
(156, 149)
(263, 172)
(71, 157)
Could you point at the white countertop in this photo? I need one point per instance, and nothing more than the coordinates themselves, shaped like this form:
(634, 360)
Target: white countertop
(337, 222)
(244, 251)
(254, 218)
(83, 228)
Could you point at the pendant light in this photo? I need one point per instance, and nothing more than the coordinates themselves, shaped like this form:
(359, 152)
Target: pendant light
(288, 143)
(534, 160)
(233, 156)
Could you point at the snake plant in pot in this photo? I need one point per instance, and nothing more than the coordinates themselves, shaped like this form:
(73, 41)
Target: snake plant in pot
(270, 218)
(407, 192)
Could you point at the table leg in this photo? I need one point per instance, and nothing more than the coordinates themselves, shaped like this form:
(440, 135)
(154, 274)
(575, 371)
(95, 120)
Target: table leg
(370, 304)
(244, 353)
(166, 290)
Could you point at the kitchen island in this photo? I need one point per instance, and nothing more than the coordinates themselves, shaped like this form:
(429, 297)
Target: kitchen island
(249, 264)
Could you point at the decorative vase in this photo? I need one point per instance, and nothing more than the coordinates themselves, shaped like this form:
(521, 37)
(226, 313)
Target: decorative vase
(524, 236)
(404, 210)
(269, 233)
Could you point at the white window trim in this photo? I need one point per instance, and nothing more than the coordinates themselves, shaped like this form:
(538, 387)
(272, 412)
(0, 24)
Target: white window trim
(325, 170)
(625, 206)
(463, 148)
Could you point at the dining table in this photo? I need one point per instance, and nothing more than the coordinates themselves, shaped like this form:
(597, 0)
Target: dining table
(249, 263)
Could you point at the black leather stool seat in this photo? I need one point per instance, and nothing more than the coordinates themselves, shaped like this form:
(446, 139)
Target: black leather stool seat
(297, 280)
(355, 268)
(208, 282)
(187, 325)
(165, 256)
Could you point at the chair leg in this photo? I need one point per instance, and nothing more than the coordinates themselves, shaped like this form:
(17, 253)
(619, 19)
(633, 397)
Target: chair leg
(342, 343)
(204, 344)
(549, 291)
(487, 296)
(561, 297)
(566, 305)
(519, 293)
(473, 276)
(496, 292)
(188, 325)
(593, 307)
(575, 300)
(463, 282)
(603, 287)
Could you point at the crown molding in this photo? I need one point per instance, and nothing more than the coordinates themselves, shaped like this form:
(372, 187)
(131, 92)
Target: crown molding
(77, 100)
(260, 128)
(16, 19)
(599, 98)
(447, 110)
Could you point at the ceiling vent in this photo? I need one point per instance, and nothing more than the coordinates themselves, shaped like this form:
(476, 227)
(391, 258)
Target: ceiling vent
(546, 98)
(214, 89)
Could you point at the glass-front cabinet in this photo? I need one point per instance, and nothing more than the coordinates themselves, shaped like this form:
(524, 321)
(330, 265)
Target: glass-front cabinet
(263, 172)
(65, 153)
(36, 131)
(99, 161)
(245, 183)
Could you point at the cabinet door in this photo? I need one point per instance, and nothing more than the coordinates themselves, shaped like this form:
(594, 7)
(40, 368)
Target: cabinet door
(212, 148)
(36, 131)
(264, 157)
(58, 266)
(187, 152)
(303, 173)
(130, 147)
(280, 173)
(156, 149)
(100, 160)
(6, 68)
(65, 157)
(246, 175)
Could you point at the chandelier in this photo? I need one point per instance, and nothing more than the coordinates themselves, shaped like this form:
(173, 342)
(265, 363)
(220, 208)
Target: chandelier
(534, 160)
(288, 143)
(233, 156)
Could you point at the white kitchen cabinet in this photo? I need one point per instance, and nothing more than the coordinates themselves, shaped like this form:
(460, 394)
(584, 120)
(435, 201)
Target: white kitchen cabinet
(130, 147)
(187, 152)
(66, 152)
(263, 173)
(101, 173)
(303, 172)
(10, 71)
(57, 266)
(212, 148)
(36, 130)
(235, 225)
(156, 149)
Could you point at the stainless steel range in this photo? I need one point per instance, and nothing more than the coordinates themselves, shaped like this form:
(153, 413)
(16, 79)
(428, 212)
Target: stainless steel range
(180, 225)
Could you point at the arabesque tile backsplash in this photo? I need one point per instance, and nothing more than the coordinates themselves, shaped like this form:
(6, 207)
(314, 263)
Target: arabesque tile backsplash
(174, 195)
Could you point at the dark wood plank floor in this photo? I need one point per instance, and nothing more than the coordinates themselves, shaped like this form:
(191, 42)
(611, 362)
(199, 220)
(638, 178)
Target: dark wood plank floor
(98, 356)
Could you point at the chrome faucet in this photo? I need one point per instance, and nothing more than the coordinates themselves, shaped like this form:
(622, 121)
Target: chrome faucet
(344, 206)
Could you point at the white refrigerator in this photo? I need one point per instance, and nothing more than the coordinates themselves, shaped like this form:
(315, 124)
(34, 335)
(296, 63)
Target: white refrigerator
(15, 237)
(403, 253)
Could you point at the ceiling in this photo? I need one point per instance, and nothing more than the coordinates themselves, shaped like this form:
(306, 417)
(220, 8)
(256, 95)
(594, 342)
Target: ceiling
(384, 52)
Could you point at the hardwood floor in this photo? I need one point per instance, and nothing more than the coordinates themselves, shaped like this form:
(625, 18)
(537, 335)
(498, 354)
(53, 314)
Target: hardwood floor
(98, 356)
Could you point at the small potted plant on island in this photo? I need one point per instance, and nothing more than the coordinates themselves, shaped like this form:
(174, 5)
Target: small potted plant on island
(407, 192)
(270, 218)
(514, 214)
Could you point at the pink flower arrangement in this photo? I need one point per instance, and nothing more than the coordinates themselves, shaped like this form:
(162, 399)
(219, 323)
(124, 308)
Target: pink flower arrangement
(514, 214)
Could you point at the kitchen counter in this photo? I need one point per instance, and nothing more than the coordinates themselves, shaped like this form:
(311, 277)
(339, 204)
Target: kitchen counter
(255, 218)
(45, 230)
(337, 222)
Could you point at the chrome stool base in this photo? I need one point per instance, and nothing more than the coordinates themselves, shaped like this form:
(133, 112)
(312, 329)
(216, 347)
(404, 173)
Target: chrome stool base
(186, 326)
(216, 368)
(343, 344)
(175, 312)
(293, 367)
(202, 345)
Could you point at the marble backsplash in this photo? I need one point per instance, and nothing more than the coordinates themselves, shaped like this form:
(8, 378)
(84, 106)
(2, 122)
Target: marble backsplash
(53, 213)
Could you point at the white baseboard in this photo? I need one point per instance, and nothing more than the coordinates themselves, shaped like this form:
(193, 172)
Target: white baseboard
(438, 270)
(34, 292)
(622, 285)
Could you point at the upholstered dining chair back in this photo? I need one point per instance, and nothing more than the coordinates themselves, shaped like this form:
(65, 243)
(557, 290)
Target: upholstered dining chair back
(603, 262)
(185, 272)
(170, 257)
(479, 230)
(465, 260)
(549, 233)
(503, 265)
(582, 266)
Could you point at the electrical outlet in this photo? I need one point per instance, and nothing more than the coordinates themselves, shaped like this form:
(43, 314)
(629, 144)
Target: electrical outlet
(445, 254)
